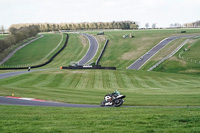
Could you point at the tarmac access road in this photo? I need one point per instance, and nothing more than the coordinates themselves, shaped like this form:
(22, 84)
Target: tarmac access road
(143, 59)
(10, 74)
(93, 47)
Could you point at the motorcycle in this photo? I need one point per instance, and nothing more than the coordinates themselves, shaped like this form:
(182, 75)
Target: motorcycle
(112, 100)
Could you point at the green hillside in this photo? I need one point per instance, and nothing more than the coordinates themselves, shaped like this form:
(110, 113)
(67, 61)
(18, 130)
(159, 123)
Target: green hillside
(89, 86)
(122, 52)
(187, 62)
(36, 52)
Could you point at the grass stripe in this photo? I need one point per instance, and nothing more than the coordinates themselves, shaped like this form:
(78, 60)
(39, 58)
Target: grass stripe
(120, 80)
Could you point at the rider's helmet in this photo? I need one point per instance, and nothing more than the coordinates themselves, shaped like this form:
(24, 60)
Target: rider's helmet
(117, 92)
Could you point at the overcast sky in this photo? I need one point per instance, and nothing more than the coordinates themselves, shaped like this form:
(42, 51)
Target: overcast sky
(162, 12)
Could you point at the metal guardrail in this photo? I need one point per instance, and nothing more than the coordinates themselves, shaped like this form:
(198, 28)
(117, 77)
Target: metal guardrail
(99, 58)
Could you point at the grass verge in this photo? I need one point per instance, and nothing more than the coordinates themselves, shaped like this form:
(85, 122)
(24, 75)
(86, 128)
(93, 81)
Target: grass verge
(86, 120)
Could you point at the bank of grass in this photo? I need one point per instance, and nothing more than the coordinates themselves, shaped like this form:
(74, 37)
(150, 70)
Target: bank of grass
(89, 86)
(188, 65)
(35, 52)
(101, 120)
(122, 52)
(7, 51)
(73, 52)
(168, 49)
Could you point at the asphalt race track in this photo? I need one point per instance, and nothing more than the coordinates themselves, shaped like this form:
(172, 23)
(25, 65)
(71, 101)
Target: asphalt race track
(91, 51)
(14, 101)
(10, 74)
(23, 102)
(142, 60)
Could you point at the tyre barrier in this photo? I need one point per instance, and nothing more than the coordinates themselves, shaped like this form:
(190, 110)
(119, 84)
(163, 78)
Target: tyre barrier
(43, 64)
(88, 67)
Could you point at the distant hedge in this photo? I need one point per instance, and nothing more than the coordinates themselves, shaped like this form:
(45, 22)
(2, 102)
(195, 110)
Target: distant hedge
(46, 27)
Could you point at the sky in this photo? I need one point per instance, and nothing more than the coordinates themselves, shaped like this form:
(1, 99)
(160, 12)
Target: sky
(161, 12)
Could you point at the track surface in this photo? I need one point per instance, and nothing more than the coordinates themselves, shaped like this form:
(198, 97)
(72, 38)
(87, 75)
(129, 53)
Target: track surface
(20, 102)
(91, 51)
(142, 60)
(10, 74)
(13, 101)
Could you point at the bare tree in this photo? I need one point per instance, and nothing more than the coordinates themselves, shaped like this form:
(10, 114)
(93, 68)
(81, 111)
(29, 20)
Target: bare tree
(2, 29)
(153, 25)
(147, 25)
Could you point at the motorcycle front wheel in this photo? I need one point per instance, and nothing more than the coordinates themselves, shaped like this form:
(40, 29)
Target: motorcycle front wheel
(102, 104)
(118, 102)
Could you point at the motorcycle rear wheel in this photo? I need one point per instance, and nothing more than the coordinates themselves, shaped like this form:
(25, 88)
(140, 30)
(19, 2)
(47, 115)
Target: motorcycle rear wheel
(118, 102)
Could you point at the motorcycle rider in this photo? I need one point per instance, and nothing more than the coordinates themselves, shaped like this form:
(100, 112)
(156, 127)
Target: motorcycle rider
(113, 99)
(114, 94)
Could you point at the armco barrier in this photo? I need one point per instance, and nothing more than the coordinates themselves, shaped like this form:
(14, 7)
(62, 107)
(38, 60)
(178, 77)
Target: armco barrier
(43, 64)
(97, 62)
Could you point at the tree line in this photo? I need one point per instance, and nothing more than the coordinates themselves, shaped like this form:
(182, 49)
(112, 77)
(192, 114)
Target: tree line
(18, 35)
(46, 27)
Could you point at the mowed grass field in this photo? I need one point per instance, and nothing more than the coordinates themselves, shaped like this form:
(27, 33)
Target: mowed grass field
(36, 52)
(121, 52)
(101, 120)
(89, 86)
(141, 88)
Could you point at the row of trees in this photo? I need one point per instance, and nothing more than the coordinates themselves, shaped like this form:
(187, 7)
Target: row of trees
(46, 27)
(153, 25)
(2, 29)
(18, 35)
(193, 24)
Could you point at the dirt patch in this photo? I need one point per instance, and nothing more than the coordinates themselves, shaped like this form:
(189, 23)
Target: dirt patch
(130, 55)
(164, 52)
(191, 71)
(100, 38)
(192, 41)
(133, 54)
(84, 40)
(177, 59)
